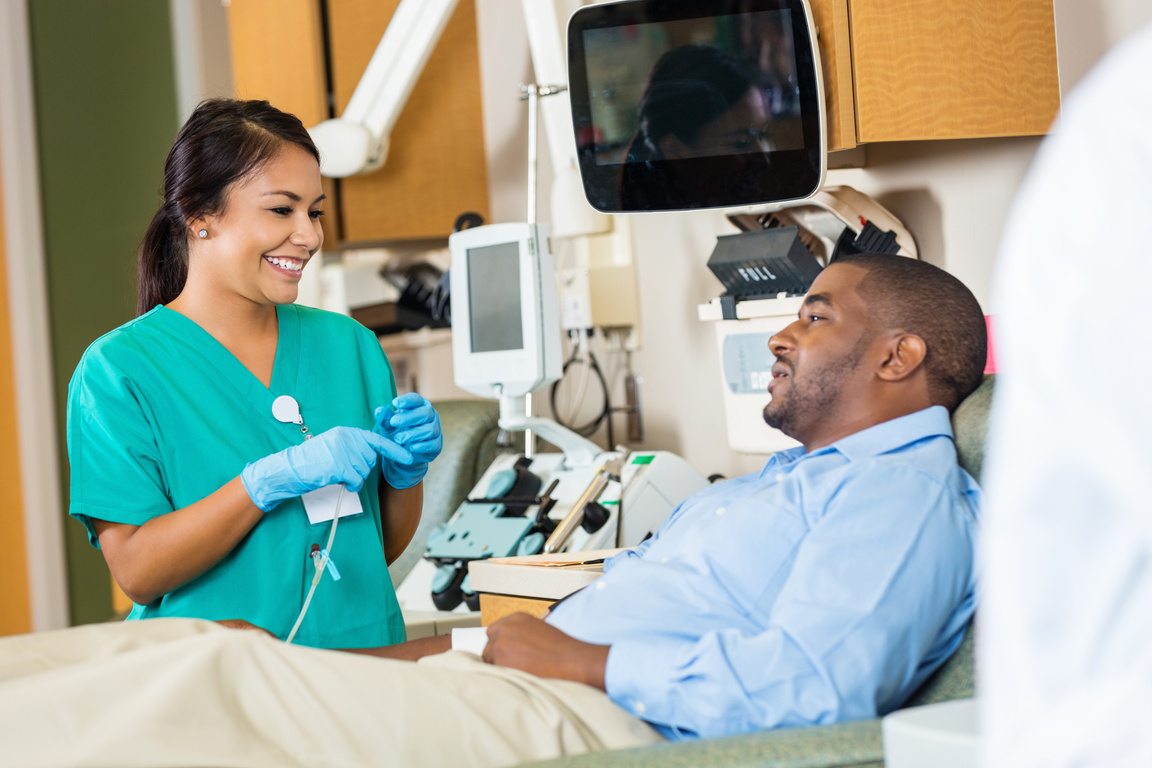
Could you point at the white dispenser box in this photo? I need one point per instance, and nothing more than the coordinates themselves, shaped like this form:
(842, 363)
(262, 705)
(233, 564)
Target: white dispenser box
(746, 368)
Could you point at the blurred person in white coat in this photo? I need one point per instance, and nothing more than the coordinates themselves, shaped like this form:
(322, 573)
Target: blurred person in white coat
(1065, 646)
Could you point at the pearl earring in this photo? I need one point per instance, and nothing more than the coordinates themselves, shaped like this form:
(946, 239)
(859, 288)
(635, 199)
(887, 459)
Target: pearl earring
(203, 233)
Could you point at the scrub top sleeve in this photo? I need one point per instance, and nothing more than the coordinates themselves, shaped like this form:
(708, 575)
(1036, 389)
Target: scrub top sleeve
(115, 463)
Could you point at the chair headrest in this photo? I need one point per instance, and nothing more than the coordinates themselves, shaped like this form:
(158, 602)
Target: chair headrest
(970, 426)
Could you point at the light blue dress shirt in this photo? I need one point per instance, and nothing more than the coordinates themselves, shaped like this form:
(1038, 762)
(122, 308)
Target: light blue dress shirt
(824, 588)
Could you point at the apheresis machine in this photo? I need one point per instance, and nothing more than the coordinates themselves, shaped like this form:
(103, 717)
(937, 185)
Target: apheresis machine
(505, 345)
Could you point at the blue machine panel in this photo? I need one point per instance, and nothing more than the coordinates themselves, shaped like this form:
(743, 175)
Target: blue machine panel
(476, 532)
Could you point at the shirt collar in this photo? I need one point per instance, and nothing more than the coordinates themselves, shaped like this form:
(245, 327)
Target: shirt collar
(881, 438)
(783, 458)
(896, 433)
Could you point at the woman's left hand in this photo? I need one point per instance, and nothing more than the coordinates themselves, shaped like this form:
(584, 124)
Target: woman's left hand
(413, 423)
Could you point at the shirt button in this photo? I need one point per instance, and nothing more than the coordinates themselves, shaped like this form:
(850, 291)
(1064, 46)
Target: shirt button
(780, 477)
(640, 709)
(664, 559)
(600, 585)
(720, 511)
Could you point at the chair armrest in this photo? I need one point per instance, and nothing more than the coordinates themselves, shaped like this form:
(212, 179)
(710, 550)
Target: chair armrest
(843, 745)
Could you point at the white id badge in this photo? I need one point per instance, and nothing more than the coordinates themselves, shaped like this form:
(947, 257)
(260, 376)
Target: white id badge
(320, 504)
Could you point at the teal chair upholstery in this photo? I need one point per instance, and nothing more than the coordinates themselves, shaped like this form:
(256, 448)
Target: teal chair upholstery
(855, 744)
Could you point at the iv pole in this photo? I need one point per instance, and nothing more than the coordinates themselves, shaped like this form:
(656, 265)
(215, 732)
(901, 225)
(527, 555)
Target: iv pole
(357, 143)
(531, 92)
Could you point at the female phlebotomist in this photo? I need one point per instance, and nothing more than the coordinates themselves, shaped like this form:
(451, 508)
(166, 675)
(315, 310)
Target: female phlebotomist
(186, 479)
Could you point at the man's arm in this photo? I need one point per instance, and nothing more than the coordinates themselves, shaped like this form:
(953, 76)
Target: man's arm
(413, 650)
(518, 641)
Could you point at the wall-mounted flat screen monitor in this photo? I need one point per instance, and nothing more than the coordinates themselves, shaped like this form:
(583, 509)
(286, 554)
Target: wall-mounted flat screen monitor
(684, 104)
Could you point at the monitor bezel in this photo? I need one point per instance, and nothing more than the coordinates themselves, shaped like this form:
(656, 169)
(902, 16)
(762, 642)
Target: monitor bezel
(512, 372)
(797, 173)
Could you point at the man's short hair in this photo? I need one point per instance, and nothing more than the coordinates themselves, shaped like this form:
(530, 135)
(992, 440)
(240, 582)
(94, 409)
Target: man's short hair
(914, 296)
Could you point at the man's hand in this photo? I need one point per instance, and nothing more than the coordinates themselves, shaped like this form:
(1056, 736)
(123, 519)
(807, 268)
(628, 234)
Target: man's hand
(529, 644)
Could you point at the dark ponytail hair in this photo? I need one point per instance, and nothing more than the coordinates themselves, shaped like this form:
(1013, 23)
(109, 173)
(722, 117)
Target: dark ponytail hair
(223, 141)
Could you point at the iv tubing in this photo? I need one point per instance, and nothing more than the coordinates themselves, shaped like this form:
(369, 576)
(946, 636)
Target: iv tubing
(319, 570)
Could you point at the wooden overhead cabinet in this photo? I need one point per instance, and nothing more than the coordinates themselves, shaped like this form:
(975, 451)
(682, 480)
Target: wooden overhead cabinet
(894, 70)
(908, 70)
(303, 55)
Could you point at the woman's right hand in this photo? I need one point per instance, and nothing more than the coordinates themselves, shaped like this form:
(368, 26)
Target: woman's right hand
(340, 455)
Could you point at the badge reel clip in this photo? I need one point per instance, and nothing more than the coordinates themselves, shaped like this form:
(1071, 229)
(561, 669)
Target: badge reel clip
(322, 504)
(285, 409)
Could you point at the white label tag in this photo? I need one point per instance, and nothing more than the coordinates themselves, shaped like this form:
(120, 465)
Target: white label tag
(320, 504)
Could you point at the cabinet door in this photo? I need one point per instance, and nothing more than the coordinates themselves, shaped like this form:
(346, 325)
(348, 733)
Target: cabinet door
(278, 55)
(927, 69)
(831, 20)
(436, 167)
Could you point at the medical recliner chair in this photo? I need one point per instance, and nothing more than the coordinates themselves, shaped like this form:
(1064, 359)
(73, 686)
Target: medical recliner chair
(857, 744)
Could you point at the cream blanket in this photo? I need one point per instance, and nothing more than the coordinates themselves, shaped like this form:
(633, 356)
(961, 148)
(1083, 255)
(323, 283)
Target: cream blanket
(182, 692)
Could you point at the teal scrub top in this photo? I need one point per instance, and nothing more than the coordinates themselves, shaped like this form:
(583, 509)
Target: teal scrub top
(161, 415)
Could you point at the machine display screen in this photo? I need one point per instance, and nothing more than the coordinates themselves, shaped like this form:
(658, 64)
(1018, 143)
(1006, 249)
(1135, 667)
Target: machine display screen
(750, 52)
(679, 105)
(494, 298)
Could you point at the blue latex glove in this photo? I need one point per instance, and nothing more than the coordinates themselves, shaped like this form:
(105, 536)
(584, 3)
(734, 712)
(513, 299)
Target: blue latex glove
(412, 423)
(340, 455)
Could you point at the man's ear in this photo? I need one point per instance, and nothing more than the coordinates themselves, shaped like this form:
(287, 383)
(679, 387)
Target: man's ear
(905, 353)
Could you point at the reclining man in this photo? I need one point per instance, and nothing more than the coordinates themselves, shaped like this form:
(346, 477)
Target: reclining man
(826, 587)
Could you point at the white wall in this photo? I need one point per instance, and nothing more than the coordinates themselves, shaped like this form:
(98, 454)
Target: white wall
(1085, 29)
(200, 49)
(952, 195)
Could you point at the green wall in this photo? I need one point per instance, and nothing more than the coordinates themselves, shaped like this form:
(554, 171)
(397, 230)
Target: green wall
(105, 113)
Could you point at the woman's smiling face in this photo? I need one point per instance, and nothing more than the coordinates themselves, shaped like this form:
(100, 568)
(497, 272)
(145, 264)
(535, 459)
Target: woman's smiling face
(268, 230)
